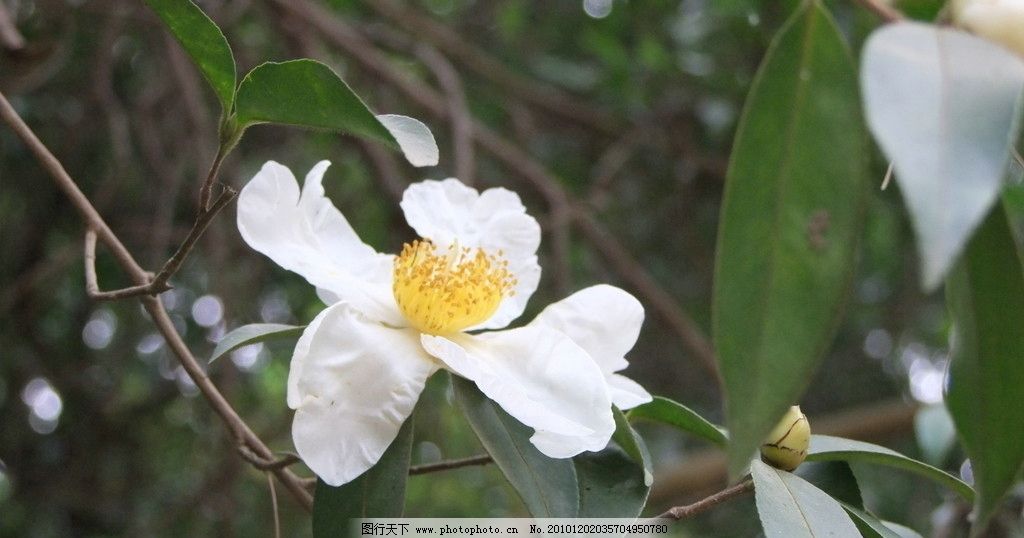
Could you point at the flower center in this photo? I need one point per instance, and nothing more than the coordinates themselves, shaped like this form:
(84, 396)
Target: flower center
(446, 292)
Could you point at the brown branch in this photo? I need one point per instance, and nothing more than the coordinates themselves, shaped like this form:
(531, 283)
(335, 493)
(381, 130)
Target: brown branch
(550, 98)
(206, 191)
(338, 32)
(273, 505)
(704, 470)
(482, 459)
(461, 120)
(92, 288)
(882, 9)
(203, 220)
(152, 304)
(707, 503)
(267, 464)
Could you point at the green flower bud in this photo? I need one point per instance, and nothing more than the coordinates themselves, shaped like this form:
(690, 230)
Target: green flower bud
(1000, 21)
(786, 445)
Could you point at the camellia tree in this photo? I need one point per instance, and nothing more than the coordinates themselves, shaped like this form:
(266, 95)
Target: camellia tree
(545, 396)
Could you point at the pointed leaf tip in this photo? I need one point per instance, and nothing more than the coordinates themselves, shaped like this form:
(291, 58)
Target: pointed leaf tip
(414, 138)
(942, 105)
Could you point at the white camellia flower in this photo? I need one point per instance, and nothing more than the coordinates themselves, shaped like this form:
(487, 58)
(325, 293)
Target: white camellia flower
(1001, 21)
(361, 364)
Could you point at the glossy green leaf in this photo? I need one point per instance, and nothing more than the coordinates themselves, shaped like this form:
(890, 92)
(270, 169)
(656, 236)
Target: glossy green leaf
(834, 478)
(942, 105)
(872, 527)
(985, 293)
(611, 484)
(631, 442)
(791, 507)
(307, 93)
(828, 448)
(676, 414)
(379, 492)
(204, 43)
(252, 334)
(548, 486)
(790, 220)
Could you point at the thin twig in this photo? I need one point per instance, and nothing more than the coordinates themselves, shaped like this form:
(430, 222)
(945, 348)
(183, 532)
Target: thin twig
(239, 428)
(704, 470)
(92, 218)
(482, 459)
(273, 503)
(707, 503)
(267, 464)
(887, 178)
(92, 288)
(206, 191)
(1018, 158)
(882, 9)
(203, 220)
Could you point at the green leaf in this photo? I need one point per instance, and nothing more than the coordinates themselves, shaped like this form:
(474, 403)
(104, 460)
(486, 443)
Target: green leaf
(791, 507)
(986, 374)
(548, 486)
(790, 219)
(632, 443)
(942, 105)
(204, 43)
(828, 448)
(871, 527)
(379, 492)
(616, 481)
(682, 417)
(307, 93)
(834, 478)
(252, 334)
(611, 484)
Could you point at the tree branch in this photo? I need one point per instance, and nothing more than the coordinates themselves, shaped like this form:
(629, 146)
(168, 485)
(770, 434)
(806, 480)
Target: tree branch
(883, 10)
(482, 459)
(95, 223)
(267, 464)
(203, 220)
(92, 288)
(707, 503)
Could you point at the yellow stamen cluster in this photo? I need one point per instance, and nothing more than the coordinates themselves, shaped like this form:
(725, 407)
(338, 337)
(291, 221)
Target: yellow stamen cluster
(445, 292)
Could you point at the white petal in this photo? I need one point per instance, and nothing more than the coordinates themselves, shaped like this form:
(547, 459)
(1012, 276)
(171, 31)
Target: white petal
(540, 377)
(353, 383)
(413, 137)
(626, 393)
(495, 220)
(603, 320)
(306, 234)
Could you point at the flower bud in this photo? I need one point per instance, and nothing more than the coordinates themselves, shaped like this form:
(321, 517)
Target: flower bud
(1001, 21)
(786, 445)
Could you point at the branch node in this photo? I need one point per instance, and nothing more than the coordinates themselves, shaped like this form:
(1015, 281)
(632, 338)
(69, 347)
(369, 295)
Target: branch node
(266, 464)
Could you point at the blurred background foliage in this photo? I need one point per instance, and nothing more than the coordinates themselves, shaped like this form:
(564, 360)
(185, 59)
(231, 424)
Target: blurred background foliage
(629, 105)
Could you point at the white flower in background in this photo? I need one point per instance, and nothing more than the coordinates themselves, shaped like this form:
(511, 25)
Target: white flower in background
(361, 364)
(1001, 21)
